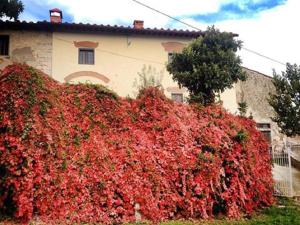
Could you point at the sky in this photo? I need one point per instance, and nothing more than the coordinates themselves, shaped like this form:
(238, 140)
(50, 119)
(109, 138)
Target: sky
(268, 27)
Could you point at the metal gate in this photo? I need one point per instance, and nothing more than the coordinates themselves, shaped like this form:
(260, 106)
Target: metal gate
(295, 161)
(286, 169)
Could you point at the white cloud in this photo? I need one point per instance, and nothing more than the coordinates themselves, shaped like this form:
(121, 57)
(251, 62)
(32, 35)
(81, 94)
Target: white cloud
(108, 12)
(273, 33)
(28, 17)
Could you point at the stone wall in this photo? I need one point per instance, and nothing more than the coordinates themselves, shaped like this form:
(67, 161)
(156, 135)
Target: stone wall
(33, 48)
(255, 91)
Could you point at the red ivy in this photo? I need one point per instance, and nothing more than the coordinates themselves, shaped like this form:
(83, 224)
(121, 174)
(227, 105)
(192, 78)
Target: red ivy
(76, 153)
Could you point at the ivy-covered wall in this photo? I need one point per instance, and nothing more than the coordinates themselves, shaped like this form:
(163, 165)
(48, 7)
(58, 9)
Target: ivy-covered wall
(81, 154)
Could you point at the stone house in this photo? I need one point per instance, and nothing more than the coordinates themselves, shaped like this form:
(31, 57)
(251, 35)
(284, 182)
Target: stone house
(255, 92)
(115, 56)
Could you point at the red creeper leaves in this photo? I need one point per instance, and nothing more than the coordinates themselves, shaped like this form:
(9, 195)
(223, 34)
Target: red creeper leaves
(77, 153)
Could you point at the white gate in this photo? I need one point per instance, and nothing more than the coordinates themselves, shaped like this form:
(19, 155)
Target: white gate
(295, 161)
(286, 169)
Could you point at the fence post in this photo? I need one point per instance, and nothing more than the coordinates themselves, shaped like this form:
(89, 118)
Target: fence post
(290, 170)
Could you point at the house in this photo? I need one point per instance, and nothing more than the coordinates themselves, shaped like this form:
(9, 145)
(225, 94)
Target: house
(115, 56)
(108, 55)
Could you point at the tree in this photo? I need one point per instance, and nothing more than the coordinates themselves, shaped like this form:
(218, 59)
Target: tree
(11, 8)
(242, 105)
(286, 100)
(242, 108)
(208, 65)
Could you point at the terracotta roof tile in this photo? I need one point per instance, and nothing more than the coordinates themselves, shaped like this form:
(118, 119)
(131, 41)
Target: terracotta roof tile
(95, 28)
(55, 10)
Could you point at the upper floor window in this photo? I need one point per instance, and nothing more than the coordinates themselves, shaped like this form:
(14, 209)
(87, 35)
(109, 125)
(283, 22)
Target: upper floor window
(86, 56)
(177, 97)
(4, 44)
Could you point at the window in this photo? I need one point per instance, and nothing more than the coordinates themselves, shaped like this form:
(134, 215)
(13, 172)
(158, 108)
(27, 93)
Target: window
(265, 129)
(263, 126)
(267, 134)
(86, 56)
(177, 97)
(4, 44)
(170, 57)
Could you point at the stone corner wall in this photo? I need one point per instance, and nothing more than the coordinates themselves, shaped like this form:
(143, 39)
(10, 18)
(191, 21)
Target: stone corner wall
(33, 48)
(256, 91)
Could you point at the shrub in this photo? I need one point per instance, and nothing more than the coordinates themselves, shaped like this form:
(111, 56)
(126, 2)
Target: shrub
(91, 158)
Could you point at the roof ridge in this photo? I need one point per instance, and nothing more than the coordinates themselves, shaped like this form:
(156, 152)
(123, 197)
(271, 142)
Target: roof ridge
(154, 29)
(268, 76)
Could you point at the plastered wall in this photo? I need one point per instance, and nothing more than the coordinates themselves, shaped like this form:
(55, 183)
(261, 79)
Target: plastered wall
(119, 59)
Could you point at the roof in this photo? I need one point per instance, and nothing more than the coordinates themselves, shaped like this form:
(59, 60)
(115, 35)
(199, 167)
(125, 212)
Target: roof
(95, 28)
(257, 72)
(55, 10)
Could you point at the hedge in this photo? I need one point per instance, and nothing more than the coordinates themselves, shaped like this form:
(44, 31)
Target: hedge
(79, 153)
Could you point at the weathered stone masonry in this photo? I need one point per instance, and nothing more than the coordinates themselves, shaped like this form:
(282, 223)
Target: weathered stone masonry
(255, 91)
(33, 48)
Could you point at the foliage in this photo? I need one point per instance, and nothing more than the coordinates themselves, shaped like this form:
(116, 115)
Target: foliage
(148, 77)
(242, 108)
(101, 91)
(241, 136)
(11, 8)
(69, 154)
(208, 65)
(286, 100)
(287, 213)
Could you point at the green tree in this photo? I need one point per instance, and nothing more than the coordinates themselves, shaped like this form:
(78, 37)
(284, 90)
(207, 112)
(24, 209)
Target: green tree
(11, 8)
(286, 100)
(208, 65)
(242, 108)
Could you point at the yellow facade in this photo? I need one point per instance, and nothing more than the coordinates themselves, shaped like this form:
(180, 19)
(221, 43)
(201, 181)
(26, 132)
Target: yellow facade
(119, 58)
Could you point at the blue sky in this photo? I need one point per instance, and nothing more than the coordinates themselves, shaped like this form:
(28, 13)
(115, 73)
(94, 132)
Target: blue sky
(225, 10)
(266, 26)
(237, 10)
(39, 10)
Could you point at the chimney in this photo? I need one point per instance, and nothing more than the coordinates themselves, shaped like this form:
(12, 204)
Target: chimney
(55, 15)
(138, 24)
